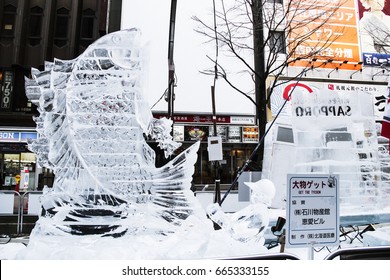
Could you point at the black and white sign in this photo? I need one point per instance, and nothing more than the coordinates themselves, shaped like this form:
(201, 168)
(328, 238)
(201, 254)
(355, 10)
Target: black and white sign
(312, 210)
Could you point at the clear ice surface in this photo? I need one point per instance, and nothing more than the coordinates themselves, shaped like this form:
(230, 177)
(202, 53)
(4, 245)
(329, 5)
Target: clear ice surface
(249, 223)
(92, 122)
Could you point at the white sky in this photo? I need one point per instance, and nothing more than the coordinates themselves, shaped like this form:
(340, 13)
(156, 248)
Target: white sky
(193, 88)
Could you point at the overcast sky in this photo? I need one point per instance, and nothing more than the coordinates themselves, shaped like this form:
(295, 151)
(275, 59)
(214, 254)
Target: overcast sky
(193, 88)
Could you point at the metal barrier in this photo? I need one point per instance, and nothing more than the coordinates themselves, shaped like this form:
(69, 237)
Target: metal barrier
(273, 256)
(361, 253)
(9, 204)
(33, 206)
(20, 205)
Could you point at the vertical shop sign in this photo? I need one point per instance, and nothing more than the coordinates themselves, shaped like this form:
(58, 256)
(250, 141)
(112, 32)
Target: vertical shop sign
(7, 90)
(312, 210)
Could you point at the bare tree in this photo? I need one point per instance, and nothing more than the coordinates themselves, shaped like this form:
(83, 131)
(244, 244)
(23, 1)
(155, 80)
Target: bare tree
(268, 36)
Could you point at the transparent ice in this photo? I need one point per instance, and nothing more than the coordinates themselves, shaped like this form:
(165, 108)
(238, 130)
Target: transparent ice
(93, 118)
(332, 132)
(108, 199)
(249, 223)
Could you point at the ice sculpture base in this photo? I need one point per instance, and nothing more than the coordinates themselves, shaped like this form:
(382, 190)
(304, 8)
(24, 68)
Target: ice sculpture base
(196, 239)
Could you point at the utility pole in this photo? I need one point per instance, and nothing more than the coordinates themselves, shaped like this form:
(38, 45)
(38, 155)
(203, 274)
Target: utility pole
(217, 196)
(171, 64)
(260, 75)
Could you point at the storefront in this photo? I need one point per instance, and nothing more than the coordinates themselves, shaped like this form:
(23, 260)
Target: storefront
(19, 171)
(17, 164)
(239, 138)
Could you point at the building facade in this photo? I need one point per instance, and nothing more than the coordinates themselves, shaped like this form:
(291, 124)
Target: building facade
(32, 32)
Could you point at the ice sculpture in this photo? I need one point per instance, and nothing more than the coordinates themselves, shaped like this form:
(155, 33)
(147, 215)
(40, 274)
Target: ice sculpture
(92, 122)
(249, 223)
(330, 132)
(109, 201)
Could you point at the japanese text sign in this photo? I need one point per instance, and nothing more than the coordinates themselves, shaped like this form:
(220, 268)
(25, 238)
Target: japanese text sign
(312, 210)
(335, 35)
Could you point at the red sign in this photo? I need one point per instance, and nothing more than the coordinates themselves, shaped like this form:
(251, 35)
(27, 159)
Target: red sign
(196, 118)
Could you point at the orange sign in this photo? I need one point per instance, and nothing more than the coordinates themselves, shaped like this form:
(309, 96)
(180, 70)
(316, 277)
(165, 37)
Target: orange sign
(250, 134)
(324, 34)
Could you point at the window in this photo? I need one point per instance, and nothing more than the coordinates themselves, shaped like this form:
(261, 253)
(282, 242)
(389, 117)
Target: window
(285, 134)
(87, 27)
(35, 26)
(277, 42)
(61, 29)
(7, 31)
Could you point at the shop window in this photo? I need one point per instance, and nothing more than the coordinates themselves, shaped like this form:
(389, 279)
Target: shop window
(61, 29)
(35, 26)
(46, 178)
(277, 42)
(87, 27)
(18, 169)
(7, 31)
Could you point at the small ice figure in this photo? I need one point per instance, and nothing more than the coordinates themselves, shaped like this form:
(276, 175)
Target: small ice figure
(249, 223)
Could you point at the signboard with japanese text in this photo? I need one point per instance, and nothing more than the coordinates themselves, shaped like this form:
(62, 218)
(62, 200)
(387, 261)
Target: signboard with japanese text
(208, 119)
(196, 133)
(250, 134)
(336, 34)
(221, 131)
(7, 86)
(242, 120)
(228, 133)
(313, 215)
(234, 134)
(374, 30)
(178, 133)
(282, 92)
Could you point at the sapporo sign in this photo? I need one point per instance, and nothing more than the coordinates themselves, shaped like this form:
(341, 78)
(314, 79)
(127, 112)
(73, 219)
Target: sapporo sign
(312, 210)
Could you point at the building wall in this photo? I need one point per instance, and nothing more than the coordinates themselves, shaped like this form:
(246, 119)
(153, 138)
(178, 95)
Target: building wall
(32, 32)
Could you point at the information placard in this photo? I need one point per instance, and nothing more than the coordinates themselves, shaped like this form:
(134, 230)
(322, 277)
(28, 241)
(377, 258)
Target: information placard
(312, 210)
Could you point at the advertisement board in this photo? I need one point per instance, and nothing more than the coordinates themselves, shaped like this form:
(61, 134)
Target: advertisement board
(196, 133)
(374, 32)
(7, 85)
(335, 37)
(16, 136)
(285, 91)
(250, 134)
(312, 210)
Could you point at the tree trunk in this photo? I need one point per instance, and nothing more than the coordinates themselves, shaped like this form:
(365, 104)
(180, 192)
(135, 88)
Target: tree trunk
(260, 75)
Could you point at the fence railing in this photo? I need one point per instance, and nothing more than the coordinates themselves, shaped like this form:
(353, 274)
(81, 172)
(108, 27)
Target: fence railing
(361, 253)
(270, 256)
(18, 205)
